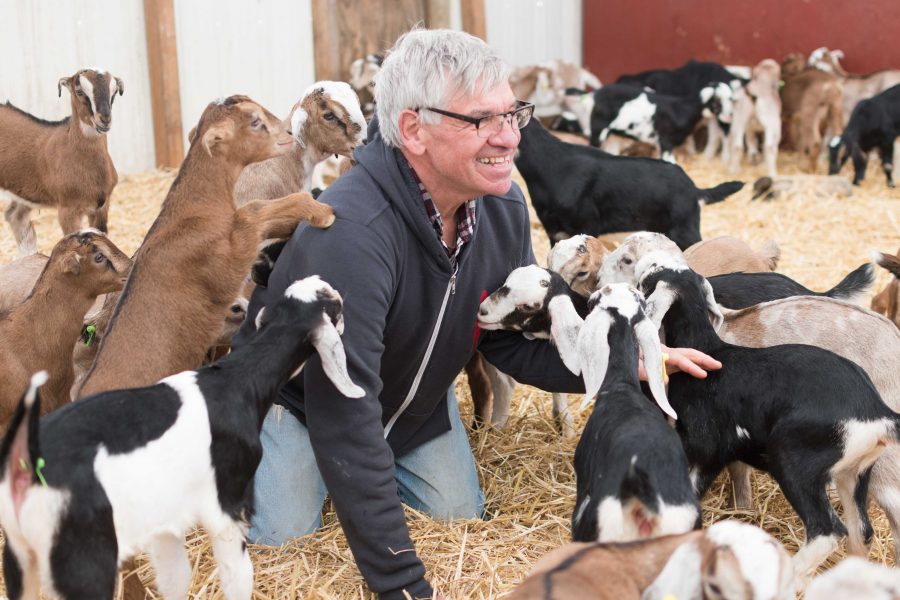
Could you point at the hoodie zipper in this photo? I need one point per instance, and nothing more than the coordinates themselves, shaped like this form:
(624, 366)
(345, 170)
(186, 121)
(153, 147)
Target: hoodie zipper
(451, 290)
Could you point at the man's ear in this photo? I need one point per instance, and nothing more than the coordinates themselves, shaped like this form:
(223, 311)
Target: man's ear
(411, 132)
(217, 134)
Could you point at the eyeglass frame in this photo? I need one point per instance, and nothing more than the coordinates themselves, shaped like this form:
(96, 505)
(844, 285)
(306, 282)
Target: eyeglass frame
(521, 105)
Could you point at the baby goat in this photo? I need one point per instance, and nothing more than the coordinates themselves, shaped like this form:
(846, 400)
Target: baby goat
(632, 475)
(60, 164)
(108, 476)
(732, 560)
(805, 415)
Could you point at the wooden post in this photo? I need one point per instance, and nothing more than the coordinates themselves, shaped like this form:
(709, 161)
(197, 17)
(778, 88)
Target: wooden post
(473, 20)
(165, 94)
(437, 14)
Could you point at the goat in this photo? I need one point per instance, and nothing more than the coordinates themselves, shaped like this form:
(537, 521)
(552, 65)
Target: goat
(810, 102)
(656, 118)
(771, 188)
(874, 124)
(687, 81)
(732, 290)
(805, 415)
(325, 121)
(856, 87)
(579, 258)
(40, 333)
(757, 109)
(887, 301)
(60, 164)
(731, 559)
(602, 193)
(631, 475)
(545, 84)
(362, 78)
(105, 477)
(171, 308)
(856, 577)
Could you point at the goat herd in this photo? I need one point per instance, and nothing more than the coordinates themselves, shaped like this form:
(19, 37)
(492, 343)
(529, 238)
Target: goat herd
(801, 394)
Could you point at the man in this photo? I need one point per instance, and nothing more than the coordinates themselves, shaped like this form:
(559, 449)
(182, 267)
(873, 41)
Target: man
(427, 223)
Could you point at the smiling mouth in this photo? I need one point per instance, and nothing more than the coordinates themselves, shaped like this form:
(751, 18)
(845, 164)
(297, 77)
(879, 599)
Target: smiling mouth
(494, 160)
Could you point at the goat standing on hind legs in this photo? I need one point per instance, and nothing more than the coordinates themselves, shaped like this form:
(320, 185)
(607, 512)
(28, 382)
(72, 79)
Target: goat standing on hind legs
(191, 265)
(62, 164)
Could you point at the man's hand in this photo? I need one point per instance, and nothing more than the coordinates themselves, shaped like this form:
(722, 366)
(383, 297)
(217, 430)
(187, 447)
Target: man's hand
(693, 362)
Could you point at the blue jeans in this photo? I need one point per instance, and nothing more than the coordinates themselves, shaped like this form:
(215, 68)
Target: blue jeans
(290, 492)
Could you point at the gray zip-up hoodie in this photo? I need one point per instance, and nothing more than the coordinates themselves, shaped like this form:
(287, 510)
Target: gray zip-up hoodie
(409, 330)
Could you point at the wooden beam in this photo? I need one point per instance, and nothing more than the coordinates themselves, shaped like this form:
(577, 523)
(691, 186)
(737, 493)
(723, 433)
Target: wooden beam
(437, 14)
(165, 92)
(473, 20)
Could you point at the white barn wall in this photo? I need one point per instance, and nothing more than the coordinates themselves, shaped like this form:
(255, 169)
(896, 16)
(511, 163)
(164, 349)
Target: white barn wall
(261, 48)
(531, 31)
(43, 41)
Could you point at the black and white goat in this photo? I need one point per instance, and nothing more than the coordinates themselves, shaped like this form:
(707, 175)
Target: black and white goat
(656, 118)
(632, 475)
(91, 484)
(874, 125)
(602, 193)
(804, 414)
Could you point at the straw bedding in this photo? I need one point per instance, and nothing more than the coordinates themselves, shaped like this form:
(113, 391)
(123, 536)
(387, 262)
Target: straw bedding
(526, 469)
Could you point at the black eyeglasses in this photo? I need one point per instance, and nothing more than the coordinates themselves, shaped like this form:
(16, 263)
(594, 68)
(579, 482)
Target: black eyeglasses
(489, 125)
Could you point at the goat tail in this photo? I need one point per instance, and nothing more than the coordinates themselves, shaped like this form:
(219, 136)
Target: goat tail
(20, 451)
(720, 192)
(852, 287)
(638, 502)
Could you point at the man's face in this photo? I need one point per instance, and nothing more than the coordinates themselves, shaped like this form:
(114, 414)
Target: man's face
(463, 164)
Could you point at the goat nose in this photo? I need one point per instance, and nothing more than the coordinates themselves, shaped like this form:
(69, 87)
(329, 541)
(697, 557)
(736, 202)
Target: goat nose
(482, 312)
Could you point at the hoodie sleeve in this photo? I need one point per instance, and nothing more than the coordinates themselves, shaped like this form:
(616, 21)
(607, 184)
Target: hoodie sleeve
(346, 434)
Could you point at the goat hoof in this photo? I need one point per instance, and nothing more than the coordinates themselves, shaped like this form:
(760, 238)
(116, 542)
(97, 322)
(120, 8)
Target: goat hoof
(323, 223)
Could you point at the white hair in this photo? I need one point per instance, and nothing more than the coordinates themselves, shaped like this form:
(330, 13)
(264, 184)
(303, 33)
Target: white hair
(428, 67)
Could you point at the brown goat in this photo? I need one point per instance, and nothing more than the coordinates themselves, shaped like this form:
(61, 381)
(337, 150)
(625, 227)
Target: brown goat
(856, 87)
(326, 121)
(887, 301)
(725, 254)
(40, 333)
(811, 102)
(63, 164)
(191, 265)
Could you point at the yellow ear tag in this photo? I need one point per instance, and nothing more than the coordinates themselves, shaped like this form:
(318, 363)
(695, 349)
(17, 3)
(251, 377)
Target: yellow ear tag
(665, 357)
(669, 597)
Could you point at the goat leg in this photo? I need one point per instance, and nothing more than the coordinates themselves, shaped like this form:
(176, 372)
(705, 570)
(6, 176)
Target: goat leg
(17, 215)
(70, 218)
(277, 219)
(480, 388)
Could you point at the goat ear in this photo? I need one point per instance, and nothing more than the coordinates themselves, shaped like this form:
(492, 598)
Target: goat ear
(717, 317)
(192, 134)
(63, 83)
(593, 346)
(72, 264)
(327, 342)
(680, 578)
(217, 134)
(837, 54)
(120, 86)
(564, 326)
(659, 303)
(724, 570)
(21, 443)
(648, 339)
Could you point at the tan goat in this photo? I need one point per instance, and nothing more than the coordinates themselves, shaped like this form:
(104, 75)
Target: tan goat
(757, 110)
(823, 186)
(729, 557)
(856, 87)
(193, 262)
(62, 164)
(40, 333)
(326, 121)
(726, 254)
(811, 102)
(887, 301)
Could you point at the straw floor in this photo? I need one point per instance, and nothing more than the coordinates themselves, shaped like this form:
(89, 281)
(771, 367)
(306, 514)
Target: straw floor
(526, 468)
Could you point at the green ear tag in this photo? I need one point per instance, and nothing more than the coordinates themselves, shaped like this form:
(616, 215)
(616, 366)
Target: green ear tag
(90, 330)
(40, 465)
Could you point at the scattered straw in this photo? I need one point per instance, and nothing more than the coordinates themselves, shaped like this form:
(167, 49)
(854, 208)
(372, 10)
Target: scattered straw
(526, 469)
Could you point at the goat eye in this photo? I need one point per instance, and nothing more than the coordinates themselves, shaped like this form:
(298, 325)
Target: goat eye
(79, 93)
(581, 249)
(329, 116)
(581, 274)
(99, 258)
(627, 260)
(256, 122)
(545, 283)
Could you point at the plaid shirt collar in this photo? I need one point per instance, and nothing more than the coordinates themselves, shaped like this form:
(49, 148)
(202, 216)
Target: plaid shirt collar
(465, 219)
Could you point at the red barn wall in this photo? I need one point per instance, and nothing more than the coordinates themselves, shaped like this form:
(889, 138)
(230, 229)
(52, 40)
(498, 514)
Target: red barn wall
(628, 36)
